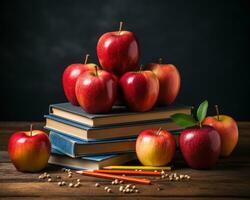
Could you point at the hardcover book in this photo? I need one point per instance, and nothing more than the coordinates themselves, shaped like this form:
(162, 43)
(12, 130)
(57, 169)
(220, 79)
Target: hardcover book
(118, 115)
(76, 147)
(81, 131)
(89, 162)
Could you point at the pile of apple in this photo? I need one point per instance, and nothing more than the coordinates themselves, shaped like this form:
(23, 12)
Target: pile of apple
(121, 78)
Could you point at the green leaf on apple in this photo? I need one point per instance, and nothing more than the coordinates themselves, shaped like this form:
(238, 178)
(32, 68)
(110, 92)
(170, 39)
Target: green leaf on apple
(183, 120)
(202, 111)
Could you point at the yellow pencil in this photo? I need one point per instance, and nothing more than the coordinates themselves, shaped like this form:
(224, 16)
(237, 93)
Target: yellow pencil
(138, 167)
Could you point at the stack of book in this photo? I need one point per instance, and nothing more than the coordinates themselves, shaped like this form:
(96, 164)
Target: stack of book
(91, 141)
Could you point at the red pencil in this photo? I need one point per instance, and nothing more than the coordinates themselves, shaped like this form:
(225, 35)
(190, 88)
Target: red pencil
(129, 172)
(112, 177)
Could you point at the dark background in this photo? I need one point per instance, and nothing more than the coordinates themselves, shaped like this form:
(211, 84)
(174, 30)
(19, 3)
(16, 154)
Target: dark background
(207, 40)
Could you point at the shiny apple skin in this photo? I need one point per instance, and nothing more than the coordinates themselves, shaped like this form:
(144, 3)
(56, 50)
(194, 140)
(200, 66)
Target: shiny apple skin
(118, 52)
(170, 82)
(29, 153)
(228, 130)
(140, 90)
(70, 75)
(96, 94)
(155, 149)
(200, 147)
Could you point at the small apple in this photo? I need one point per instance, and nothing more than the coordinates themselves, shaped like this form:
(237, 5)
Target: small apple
(140, 90)
(70, 75)
(200, 145)
(96, 91)
(155, 147)
(118, 51)
(29, 151)
(169, 79)
(228, 130)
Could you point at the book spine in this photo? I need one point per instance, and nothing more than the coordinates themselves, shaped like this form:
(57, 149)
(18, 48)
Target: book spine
(62, 144)
(50, 109)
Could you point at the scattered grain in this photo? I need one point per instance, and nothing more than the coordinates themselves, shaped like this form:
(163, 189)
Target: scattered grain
(41, 177)
(109, 190)
(97, 185)
(76, 185)
(105, 188)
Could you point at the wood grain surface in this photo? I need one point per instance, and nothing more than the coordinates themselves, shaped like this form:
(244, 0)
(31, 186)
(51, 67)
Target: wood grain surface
(230, 179)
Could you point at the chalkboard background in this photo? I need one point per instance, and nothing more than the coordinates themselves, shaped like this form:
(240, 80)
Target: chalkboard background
(207, 40)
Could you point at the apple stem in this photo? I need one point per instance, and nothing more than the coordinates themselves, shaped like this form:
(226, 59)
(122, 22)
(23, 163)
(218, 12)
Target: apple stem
(158, 132)
(96, 73)
(120, 27)
(200, 124)
(86, 58)
(217, 111)
(160, 60)
(192, 111)
(141, 68)
(31, 128)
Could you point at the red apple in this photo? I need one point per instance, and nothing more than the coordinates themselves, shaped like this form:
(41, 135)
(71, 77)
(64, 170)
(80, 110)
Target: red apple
(118, 51)
(228, 130)
(140, 90)
(155, 147)
(29, 151)
(200, 147)
(169, 79)
(96, 91)
(70, 75)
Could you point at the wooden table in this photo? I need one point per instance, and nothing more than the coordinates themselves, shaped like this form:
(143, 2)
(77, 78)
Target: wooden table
(230, 179)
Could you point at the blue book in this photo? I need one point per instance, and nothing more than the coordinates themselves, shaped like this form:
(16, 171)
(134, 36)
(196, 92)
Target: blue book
(74, 147)
(82, 131)
(118, 115)
(89, 162)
